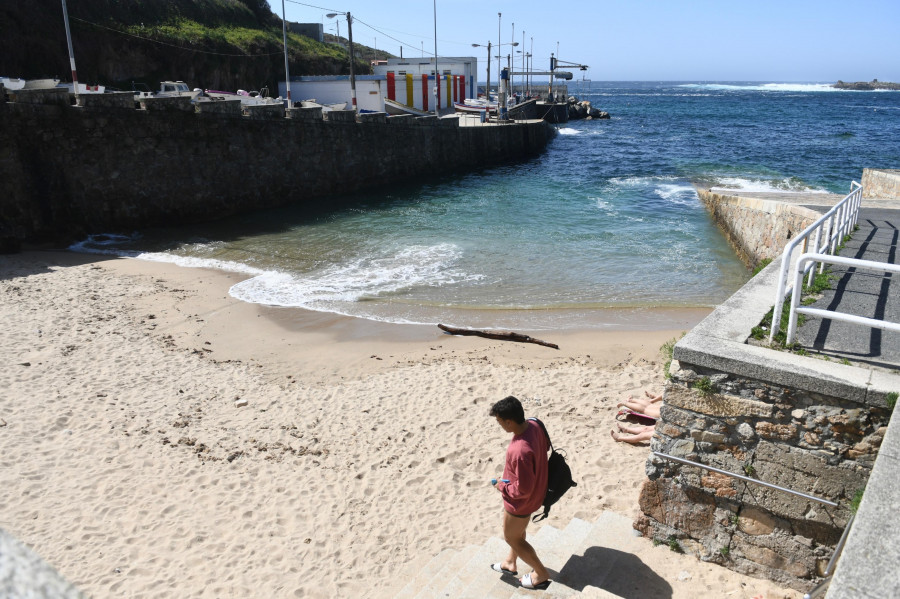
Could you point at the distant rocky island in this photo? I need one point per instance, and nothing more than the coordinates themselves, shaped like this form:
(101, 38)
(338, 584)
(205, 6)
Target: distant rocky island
(867, 85)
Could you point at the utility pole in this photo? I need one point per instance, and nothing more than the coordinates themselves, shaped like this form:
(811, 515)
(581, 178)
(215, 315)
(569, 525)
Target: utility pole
(287, 73)
(71, 52)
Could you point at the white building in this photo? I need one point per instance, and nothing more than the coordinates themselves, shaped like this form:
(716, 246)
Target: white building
(410, 81)
(333, 89)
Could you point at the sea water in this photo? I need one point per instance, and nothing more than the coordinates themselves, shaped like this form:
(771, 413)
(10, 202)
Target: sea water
(606, 221)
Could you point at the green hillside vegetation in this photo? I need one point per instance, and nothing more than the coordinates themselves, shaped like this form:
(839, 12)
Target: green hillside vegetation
(220, 44)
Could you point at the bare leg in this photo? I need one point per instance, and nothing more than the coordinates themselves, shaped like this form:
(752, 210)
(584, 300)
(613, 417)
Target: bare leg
(643, 406)
(653, 398)
(633, 439)
(635, 429)
(514, 534)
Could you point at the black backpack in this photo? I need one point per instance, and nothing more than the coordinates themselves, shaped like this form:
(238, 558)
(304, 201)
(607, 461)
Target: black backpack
(559, 476)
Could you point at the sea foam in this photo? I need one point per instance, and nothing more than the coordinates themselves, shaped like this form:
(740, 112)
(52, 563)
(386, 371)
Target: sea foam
(356, 280)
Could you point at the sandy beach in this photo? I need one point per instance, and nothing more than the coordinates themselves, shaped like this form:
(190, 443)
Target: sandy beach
(162, 439)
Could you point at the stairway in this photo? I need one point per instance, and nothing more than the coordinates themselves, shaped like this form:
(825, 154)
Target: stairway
(580, 557)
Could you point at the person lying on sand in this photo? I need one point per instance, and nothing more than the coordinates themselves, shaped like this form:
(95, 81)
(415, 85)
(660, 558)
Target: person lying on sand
(636, 434)
(643, 410)
(646, 407)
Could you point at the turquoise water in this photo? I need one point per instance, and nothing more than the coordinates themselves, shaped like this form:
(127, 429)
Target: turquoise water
(607, 217)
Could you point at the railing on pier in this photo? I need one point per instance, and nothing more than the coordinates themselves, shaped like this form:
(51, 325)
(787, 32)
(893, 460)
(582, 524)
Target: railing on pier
(833, 226)
(796, 309)
(838, 549)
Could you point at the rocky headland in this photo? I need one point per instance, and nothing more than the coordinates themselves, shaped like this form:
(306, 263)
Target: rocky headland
(872, 85)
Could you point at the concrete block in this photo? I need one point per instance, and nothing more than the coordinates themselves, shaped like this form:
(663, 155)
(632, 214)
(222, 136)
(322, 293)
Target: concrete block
(114, 100)
(178, 103)
(716, 405)
(401, 119)
(340, 116)
(313, 113)
(56, 96)
(219, 107)
(264, 112)
(24, 574)
(372, 117)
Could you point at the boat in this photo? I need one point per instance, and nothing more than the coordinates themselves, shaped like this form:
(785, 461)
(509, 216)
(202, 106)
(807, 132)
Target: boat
(325, 107)
(394, 108)
(475, 106)
(83, 88)
(41, 83)
(12, 83)
(260, 98)
(167, 89)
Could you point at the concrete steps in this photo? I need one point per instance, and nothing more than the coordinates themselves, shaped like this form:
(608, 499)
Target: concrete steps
(580, 557)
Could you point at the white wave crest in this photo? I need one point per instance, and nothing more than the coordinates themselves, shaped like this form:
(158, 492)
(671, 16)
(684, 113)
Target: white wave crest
(568, 131)
(356, 280)
(764, 87)
(677, 193)
(764, 185)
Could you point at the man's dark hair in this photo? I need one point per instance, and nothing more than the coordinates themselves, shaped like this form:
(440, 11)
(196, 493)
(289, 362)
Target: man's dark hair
(509, 408)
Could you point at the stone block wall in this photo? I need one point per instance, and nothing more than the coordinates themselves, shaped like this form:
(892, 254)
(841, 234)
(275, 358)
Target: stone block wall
(881, 184)
(757, 229)
(66, 172)
(123, 100)
(821, 445)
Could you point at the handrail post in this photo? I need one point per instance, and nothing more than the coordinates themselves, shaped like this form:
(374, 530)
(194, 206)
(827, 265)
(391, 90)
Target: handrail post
(812, 271)
(795, 300)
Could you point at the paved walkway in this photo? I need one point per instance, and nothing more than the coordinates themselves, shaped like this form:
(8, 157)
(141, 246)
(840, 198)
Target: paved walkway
(863, 293)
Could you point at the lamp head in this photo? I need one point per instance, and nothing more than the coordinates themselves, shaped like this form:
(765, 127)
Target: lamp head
(331, 15)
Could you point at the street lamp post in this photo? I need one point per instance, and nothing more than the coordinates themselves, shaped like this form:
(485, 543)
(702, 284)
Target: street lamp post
(437, 73)
(287, 73)
(350, 38)
(498, 54)
(487, 92)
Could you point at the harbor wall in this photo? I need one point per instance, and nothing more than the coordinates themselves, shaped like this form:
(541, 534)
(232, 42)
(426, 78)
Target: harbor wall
(881, 184)
(66, 171)
(757, 229)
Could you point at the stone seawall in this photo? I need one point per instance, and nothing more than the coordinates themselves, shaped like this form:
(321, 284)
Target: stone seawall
(756, 228)
(66, 171)
(795, 421)
(881, 184)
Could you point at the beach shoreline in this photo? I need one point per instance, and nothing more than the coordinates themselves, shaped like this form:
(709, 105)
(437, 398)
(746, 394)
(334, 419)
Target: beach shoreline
(162, 439)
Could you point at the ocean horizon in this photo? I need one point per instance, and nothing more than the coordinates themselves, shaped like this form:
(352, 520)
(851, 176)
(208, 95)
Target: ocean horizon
(606, 220)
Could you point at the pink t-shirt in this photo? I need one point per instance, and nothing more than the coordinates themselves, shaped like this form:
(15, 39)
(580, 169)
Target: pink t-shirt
(526, 470)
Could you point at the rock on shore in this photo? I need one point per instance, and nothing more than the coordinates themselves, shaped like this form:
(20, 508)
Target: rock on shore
(583, 110)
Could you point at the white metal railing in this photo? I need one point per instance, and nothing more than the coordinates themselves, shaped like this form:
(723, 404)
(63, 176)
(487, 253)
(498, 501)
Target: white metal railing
(833, 315)
(834, 224)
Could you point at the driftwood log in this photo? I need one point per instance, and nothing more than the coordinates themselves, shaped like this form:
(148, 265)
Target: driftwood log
(502, 335)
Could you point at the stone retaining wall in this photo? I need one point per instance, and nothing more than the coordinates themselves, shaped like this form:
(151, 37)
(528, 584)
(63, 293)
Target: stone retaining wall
(66, 171)
(799, 422)
(881, 183)
(818, 444)
(757, 229)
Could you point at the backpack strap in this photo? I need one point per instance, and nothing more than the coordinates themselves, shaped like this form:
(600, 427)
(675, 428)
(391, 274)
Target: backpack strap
(546, 434)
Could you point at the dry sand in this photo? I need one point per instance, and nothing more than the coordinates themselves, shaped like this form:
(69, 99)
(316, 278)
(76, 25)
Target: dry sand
(363, 450)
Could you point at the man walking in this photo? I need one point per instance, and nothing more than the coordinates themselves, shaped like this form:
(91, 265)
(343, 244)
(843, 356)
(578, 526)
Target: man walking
(522, 487)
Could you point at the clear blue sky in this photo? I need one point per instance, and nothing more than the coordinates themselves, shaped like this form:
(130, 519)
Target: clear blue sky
(699, 40)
